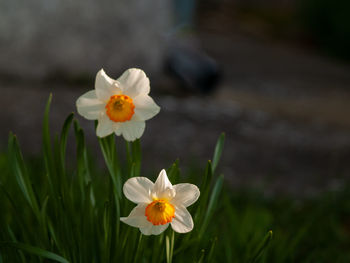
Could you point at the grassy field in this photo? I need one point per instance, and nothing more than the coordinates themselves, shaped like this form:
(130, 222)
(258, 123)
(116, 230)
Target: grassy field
(51, 213)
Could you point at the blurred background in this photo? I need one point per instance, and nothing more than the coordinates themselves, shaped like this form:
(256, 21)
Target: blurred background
(273, 75)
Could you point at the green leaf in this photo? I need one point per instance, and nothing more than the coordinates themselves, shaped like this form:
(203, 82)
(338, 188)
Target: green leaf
(44, 216)
(208, 176)
(35, 251)
(17, 211)
(63, 138)
(218, 151)
(20, 171)
(201, 259)
(212, 204)
(109, 151)
(14, 240)
(201, 206)
(47, 152)
(83, 172)
(212, 249)
(184, 246)
(261, 248)
(48, 156)
(138, 251)
(108, 148)
(174, 172)
(169, 246)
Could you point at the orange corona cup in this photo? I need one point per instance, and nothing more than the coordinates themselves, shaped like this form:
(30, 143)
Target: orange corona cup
(160, 212)
(120, 108)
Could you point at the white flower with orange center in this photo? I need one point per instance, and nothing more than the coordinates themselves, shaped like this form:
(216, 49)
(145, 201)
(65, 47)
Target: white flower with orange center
(121, 106)
(159, 204)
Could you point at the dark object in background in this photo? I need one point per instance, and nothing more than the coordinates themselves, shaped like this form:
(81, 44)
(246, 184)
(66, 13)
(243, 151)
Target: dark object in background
(195, 71)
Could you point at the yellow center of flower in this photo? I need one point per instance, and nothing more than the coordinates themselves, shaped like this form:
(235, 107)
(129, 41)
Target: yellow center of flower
(160, 212)
(120, 108)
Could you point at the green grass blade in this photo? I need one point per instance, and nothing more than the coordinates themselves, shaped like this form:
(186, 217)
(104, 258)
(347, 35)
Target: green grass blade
(212, 204)
(14, 240)
(109, 151)
(106, 231)
(35, 251)
(16, 211)
(208, 176)
(218, 151)
(174, 172)
(212, 249)
(261, 248)
(83, 172)
(63, 139)
(201, 258)
(48, 155)
(138, 251)
(20, 171)
(201, 206)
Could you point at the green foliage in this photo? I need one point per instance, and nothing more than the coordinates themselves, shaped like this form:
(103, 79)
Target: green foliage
(51, 213)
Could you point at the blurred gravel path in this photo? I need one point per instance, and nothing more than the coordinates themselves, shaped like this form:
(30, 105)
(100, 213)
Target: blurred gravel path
(262, 150)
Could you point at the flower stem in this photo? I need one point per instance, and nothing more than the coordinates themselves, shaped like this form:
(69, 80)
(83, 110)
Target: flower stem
(138, 249)
(108, 148)
(169, 245)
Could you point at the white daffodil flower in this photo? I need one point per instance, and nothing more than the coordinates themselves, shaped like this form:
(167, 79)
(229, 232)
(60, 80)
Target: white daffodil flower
(159, 204)
(121, 106)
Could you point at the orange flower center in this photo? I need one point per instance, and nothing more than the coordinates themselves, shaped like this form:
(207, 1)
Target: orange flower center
(120, 108)
(160, 212)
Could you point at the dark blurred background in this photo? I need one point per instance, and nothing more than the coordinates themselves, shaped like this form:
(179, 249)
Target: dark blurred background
(274, 75)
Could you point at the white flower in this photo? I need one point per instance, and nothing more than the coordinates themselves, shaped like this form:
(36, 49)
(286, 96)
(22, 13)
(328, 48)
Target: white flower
(159, 204)
(121, 106)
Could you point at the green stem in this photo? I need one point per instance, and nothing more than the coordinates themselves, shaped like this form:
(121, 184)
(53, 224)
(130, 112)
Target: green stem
(138, 249)
(169, 245)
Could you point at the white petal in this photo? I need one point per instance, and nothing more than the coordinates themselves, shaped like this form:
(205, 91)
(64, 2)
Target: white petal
(117, 128)
(145, 107)
(163, 187)
(182, 222)
(153, 230)
(132, 130)
(138, 189)
(186, 194)
(137, 217)
(104, 126)
(89, 106)
(105, 86)
(134, 82)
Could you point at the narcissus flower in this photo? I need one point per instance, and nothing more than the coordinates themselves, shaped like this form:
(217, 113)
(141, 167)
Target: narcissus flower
(159, 204)
(121, 106)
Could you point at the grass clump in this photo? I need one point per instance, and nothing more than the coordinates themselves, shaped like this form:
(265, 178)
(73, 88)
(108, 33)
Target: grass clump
(50, 213)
